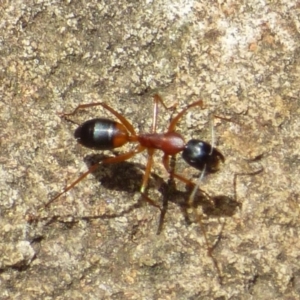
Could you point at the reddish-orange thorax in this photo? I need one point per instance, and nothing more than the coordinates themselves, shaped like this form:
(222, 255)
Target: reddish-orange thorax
(170, 143)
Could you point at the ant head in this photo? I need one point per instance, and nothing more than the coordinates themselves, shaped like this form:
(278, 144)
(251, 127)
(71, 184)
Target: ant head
(199, 154)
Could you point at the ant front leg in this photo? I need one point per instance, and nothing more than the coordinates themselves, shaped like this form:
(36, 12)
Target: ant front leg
(206, 158)
(170, 167)
(173, 174)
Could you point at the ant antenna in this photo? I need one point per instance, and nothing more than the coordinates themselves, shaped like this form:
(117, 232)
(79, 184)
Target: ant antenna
(197, 185)
(202, 174)
(192, 197)
(212, 133)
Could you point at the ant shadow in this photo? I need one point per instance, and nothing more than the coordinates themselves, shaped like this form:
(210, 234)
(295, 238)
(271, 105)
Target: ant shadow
(127, 177)
(123, 176)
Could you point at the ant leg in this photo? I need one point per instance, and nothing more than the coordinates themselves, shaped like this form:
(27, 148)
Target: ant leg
(66, 189)
(123, 120)
(150, 158)
(146, 179)
(150, 150)
(197, 186)
(144, 185)
(213, 140)
(173, 174)
(170, 186)
(175, 120)
(155, 113)
(171, 170)
(94, 167)
(198, 217)
(157, 99)
(147, 171)
(202, 174)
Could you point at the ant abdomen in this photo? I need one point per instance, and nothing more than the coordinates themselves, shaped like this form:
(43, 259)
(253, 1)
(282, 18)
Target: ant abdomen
(101, 134)
(200, 154)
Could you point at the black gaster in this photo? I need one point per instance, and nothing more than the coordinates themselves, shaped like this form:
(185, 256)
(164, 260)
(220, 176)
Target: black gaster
(96, 134)
(198, 153)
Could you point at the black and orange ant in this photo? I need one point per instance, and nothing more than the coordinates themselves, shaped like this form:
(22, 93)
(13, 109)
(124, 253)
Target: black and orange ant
(106, 134)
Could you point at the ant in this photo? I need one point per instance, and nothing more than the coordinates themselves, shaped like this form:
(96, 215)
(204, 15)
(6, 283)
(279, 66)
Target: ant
(106, 134)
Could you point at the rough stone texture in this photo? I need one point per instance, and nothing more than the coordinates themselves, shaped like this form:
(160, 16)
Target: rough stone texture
(241, 58)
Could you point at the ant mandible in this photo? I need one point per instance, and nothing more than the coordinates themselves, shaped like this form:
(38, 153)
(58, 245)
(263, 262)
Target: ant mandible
(106, 134)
